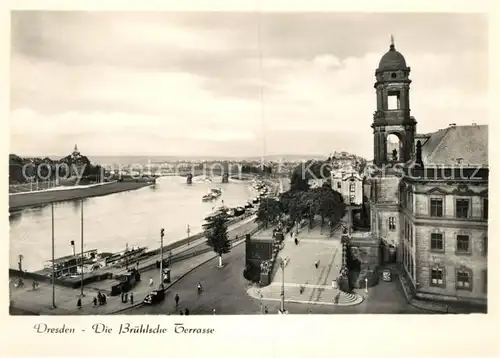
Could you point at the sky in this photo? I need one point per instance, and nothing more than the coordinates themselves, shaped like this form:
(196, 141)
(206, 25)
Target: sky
(232, 84)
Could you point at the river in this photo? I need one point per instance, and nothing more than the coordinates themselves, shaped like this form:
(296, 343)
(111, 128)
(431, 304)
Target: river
(110, 222)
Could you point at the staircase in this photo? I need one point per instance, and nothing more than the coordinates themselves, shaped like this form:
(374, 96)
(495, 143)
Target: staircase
(348, 299)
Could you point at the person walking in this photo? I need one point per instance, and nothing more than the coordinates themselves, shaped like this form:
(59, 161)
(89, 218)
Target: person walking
(176, 298)
(94, 301)
(79, 303)
(296, 241)
(131, 298)
(213, 311)
(151, 282)
(266, 311)
(186, 312)
(316, 264)
(336, 299)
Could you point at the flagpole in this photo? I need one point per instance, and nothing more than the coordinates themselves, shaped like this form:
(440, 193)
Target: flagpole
(53, 263)
(81, 233)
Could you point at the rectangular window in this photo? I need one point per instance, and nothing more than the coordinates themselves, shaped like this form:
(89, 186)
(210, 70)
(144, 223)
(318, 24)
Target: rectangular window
(352, 187)
(437, 277)
(437, 241)
(463, 279)
(392, 223)
(436, 207)
(463, 243)
(485, 209)
(393, 101)
(339, 186)
(462, 208)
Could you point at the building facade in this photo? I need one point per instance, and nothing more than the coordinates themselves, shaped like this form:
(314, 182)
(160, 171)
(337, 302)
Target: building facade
(350, 185)
(429, 193)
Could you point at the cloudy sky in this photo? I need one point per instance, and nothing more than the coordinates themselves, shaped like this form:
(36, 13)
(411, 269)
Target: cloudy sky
(208, 84)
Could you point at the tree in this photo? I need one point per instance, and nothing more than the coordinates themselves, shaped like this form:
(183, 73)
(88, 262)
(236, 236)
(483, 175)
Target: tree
(269, 211)
(298, 182)
(215, 230)
(326, 203)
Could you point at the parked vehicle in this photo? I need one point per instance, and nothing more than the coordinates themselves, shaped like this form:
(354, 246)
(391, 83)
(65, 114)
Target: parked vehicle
(154, 297)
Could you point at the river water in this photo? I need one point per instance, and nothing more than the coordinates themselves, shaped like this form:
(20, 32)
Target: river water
(110, 222)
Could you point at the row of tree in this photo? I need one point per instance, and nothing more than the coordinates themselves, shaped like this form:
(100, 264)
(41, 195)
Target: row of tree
(296, 205)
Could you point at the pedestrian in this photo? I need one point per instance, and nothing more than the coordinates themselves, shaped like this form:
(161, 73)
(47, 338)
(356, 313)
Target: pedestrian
(186, 312)
(266, 311)
(94, 301)
(126, 297)
(213, 311)
(316, 264)
(181, 313)
(151, 282)
(123, 297)
(336, 299)
(296, 241)
(79, 303)
(34, 285)
(176, 300)
(131, 298)
(103, 299)
(99, 297)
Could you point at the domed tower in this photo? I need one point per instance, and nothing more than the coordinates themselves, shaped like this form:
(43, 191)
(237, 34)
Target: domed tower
(393, 127)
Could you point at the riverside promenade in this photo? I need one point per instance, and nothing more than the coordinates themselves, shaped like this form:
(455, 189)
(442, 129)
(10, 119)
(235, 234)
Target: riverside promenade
(39, 301)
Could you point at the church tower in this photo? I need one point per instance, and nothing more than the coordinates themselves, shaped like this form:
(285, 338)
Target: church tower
(393, 127)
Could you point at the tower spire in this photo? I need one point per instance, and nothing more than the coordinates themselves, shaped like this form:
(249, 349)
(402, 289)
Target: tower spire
(392, 43)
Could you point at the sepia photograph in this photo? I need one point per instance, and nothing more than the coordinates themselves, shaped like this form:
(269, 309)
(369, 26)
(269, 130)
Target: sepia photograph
(248, 163)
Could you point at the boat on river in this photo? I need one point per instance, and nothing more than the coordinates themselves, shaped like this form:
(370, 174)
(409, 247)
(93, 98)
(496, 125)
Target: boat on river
(71, 264)
(122, 257)
(212, 195)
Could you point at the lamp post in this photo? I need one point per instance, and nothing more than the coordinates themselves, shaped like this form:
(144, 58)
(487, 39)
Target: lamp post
(162, 233)
(81, 234)
(283, 264)
(366, 285)
(260, 298)
(53, 263)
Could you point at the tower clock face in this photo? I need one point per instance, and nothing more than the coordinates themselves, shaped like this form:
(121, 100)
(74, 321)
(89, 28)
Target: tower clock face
(394, 75)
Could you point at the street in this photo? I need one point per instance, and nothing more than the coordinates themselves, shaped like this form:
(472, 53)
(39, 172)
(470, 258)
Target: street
(224, 289)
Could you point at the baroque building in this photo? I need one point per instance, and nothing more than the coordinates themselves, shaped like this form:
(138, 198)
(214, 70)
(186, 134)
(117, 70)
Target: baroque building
(429, 194)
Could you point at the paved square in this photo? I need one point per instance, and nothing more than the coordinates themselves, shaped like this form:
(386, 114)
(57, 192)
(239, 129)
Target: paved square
(304, 282)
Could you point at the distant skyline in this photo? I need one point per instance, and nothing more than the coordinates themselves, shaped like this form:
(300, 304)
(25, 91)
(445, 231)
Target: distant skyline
(206, 84)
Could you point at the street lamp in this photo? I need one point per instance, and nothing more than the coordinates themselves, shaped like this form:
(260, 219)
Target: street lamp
(53, 262)
(260, 297)
(162, 233)
(283, 263)
(366, 285)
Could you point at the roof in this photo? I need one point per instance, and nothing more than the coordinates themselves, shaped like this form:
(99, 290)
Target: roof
(351, 175)
(392, 61)
(464, 145)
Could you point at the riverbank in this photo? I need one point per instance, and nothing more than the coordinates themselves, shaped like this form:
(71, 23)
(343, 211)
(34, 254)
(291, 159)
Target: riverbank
(18, 202)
